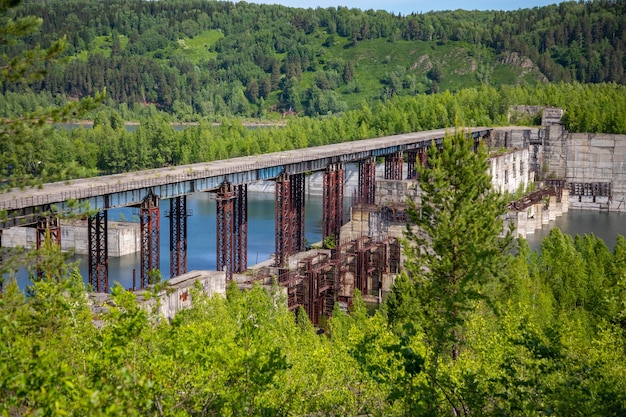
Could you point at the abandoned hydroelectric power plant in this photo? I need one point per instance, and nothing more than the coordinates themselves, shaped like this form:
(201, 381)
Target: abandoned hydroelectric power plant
(585, 171)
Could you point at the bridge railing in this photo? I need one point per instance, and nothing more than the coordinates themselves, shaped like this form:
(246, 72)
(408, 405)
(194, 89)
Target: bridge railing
(162, 176)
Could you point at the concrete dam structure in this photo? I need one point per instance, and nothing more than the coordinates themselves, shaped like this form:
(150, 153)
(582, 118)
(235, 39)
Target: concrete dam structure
(591, 165)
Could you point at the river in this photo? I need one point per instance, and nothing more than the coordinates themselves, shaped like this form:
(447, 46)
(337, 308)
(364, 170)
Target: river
(606, 226)
(201, 240)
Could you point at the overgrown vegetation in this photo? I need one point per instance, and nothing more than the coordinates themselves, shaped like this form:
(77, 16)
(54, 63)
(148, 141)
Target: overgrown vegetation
(110, 148)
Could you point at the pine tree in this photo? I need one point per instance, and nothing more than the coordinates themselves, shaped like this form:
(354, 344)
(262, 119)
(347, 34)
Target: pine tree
(453, 241)
(21, 137)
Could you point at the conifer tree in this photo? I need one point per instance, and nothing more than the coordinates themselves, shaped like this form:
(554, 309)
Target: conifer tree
(454, 244)
(22, 138)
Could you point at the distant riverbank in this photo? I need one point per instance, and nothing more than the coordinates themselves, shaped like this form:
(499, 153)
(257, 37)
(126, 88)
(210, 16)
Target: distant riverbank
(132, 125)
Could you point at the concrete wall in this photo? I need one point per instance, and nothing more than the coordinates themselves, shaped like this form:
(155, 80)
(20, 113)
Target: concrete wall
(177, 295)
(123, 238)
(601, 159)
(554, 152)
(510, 171)
(396, 191)
(516, 138)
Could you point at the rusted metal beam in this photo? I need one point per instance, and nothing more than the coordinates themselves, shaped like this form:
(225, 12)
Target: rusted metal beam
(178, 215)
(48, 225)
(284, 221)
(225, 199)
(332, 201)
(240, 234)
(98, 252)
(393, 166)
(298, 213)
(367, 181)
(150, 226)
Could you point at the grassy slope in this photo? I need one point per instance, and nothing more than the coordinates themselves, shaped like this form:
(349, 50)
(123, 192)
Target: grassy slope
(463, 65)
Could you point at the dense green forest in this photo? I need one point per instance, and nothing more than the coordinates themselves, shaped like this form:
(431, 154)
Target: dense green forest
(213, 59)
(365, 71)
(108, 147)
(166, 61)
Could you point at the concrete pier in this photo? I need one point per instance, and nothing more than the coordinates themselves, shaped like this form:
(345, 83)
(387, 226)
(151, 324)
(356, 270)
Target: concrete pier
(175, 296)
(124, 238)
(532, 218)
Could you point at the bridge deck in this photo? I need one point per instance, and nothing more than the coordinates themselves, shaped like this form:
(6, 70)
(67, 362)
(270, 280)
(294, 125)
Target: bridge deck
(130, 188)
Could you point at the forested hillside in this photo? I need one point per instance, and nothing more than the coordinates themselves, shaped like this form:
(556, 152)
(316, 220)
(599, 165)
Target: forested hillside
(212, 58)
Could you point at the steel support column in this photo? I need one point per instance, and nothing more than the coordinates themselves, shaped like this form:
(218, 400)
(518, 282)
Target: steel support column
(332, 201)
(410, 164)
(367, 181)
(393, 166)
(149, 222)
(297, 218)
(47, 226)
(423, 156)
(240, 224)
(178, 214)
(225, 200)
(284, 221)
(98, 252)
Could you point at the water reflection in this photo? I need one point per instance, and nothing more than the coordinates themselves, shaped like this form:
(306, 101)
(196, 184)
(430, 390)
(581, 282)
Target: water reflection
(606, 226)
(201, 238)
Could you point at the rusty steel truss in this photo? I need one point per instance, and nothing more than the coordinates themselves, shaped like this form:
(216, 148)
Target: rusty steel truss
(232, 228)
(284, 220)
(393, 166)
(332, 201)
(364, 264)
(98, 252)
(47, 226)
(290, 218)
(149, 224)
(224, 228)
(178, 215)
(367, 181)
(326, 278)
(298, 209)
(240, 228)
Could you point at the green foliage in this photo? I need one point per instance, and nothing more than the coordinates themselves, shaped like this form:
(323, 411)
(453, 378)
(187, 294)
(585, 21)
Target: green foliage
(201, 53)
(453, 246)
(23, 139)
(244, 354)
(329, 242)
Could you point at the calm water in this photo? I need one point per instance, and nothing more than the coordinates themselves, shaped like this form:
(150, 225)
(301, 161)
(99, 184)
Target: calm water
(201, 237)
(606, 226)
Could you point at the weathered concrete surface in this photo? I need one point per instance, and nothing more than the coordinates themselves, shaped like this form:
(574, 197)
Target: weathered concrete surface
(509, 171)
(532, 218)
(597, 158)
(176, 296)
(124, 238)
